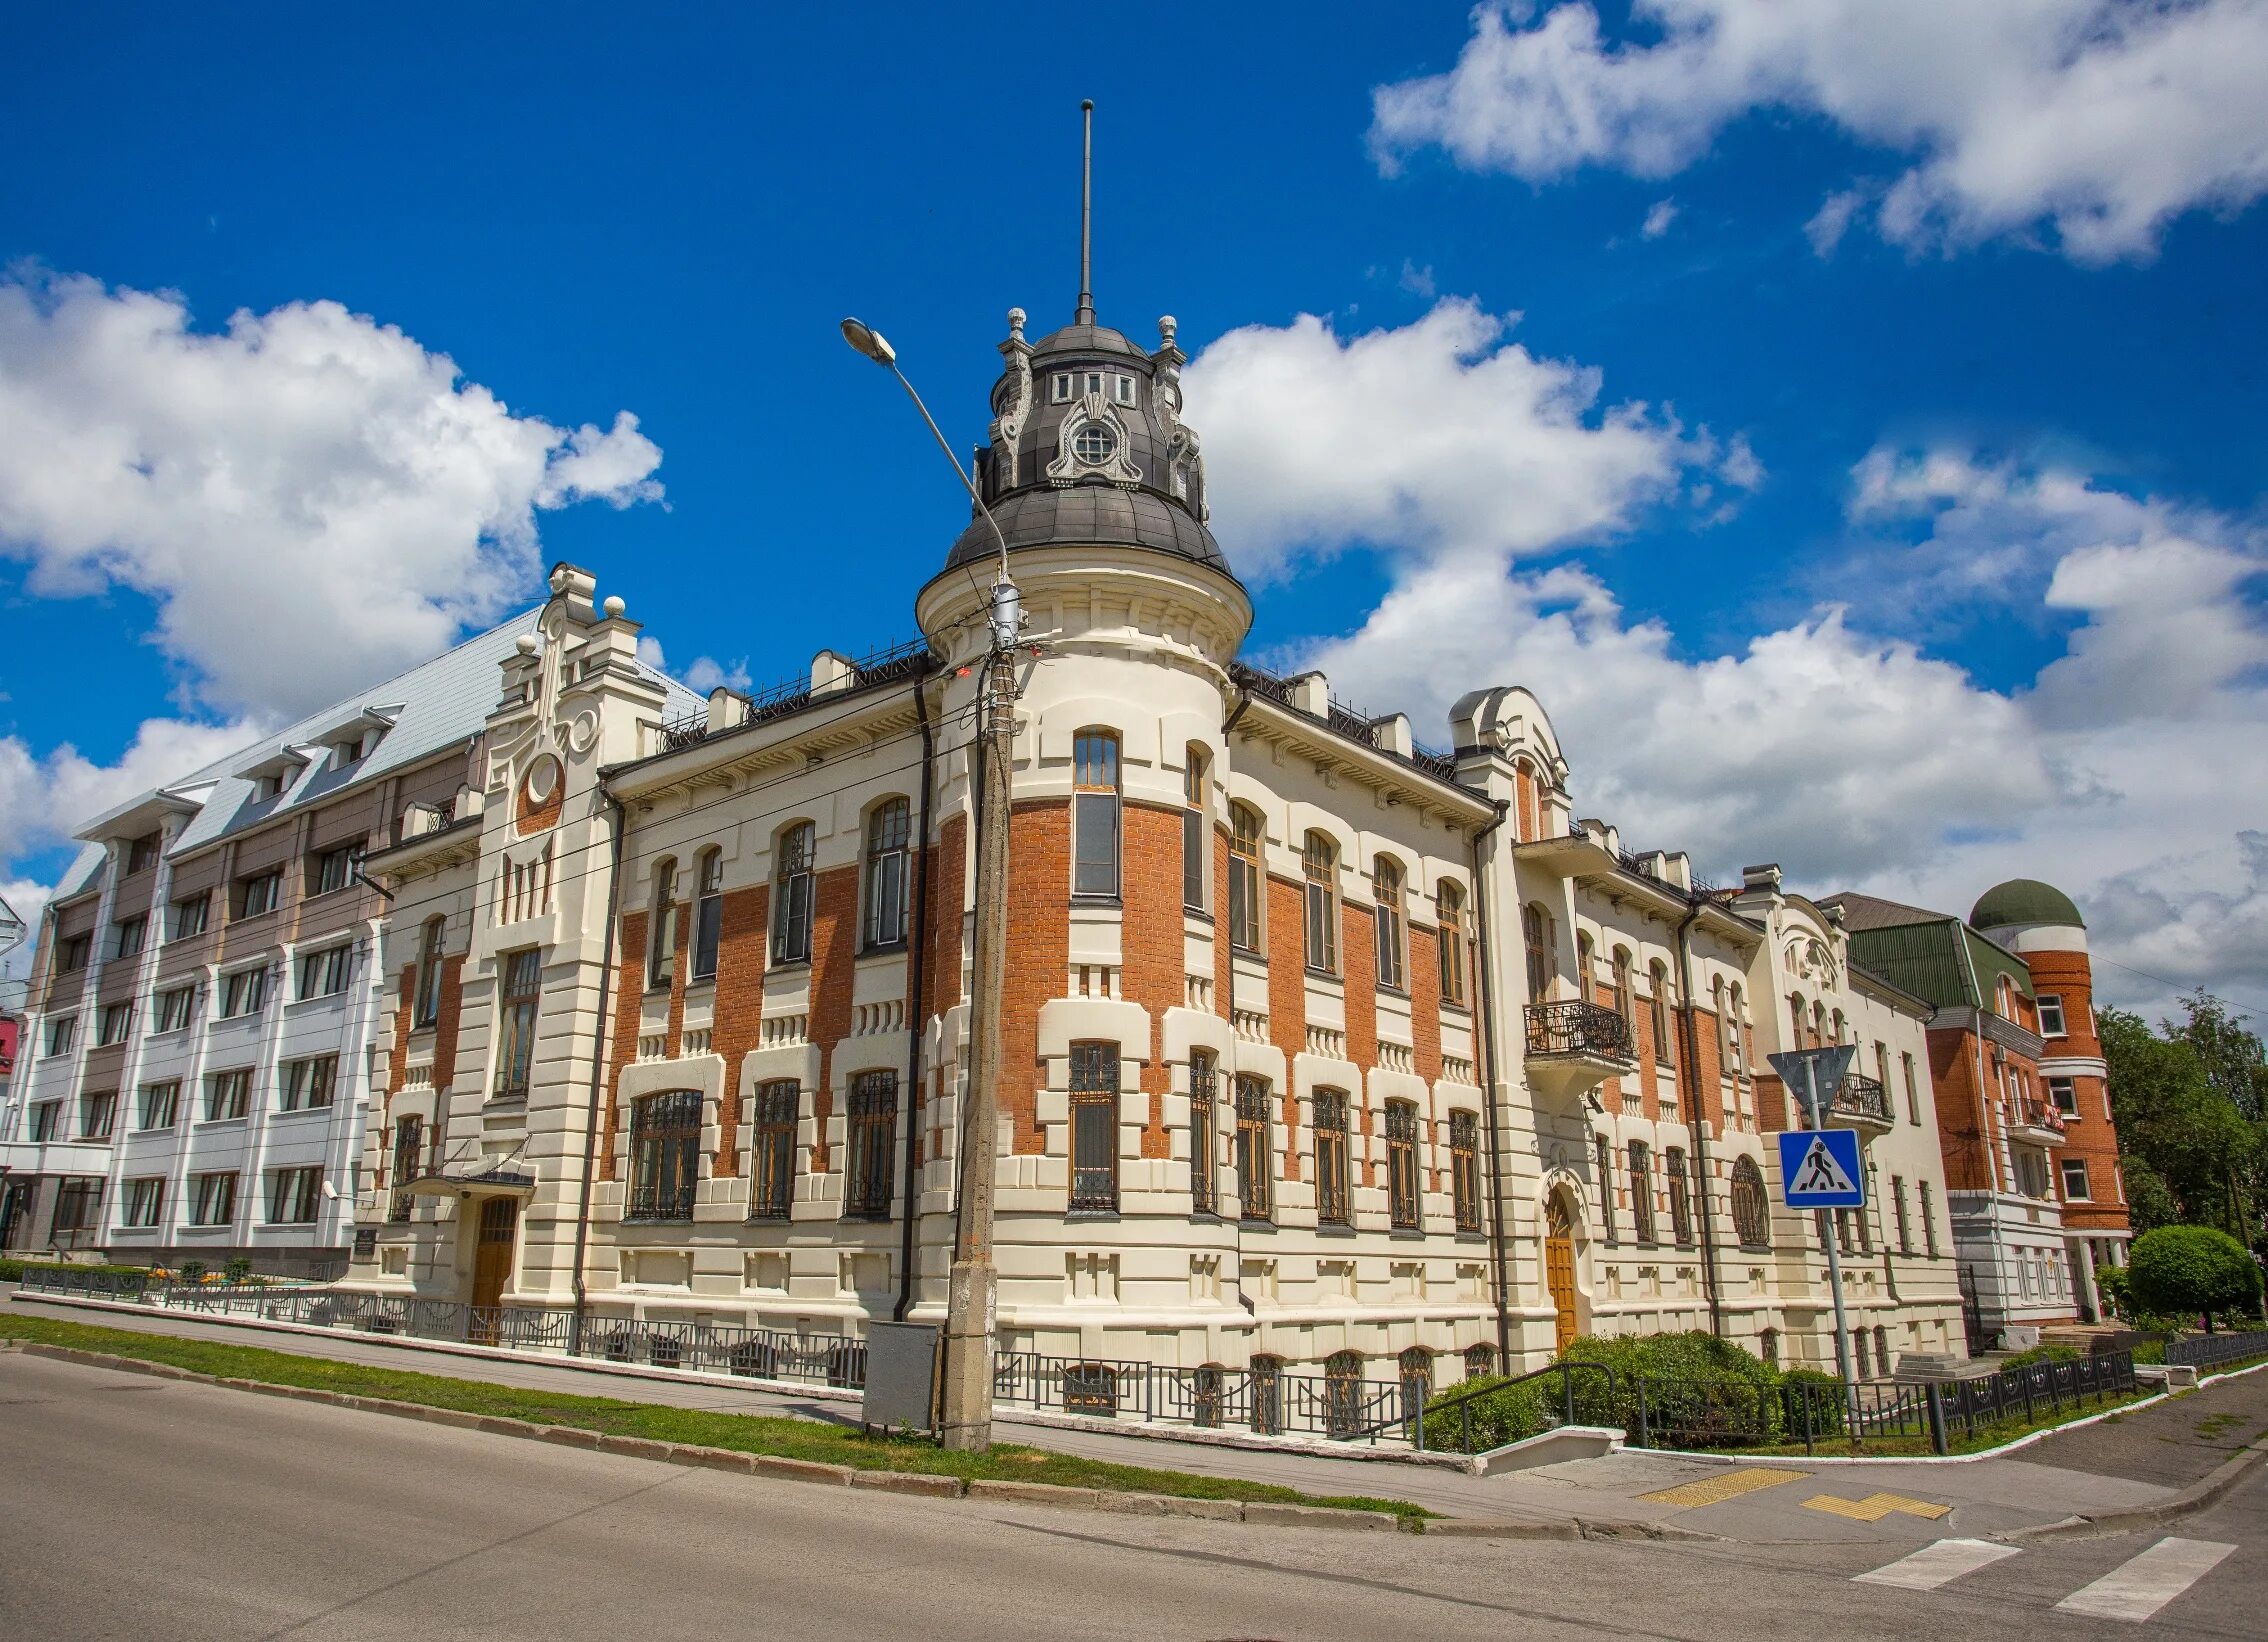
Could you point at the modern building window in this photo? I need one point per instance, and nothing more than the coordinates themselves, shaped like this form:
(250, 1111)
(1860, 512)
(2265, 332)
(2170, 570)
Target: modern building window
(47, 1120)
(62, 1033)
(1244, 884)
(1319, 860)
(1333, 1192)
(665, 1156)
(1641, 1192)
(2065, 1094)
(1751, 1210)
(1402, 1165)
(873, 1133)
(1603, 1160)
(176, 1007)
(2075, 1186)
(661, 926)
(157, 1104)
(1254, 1159)
(1680, 1199)
(708, 912)
(1898, 1210)
(1464, 1169)
(426, 1007)
(889, 835)
(243, 992)
(295, 1196)
(1928, 1221)
(331, 870)
(518, 1002)
(190, 915)
(1449, 911)
(1658, 1014)
(771, 1169)
(791, 895)
(145, 1202)
(98, 1114)
(1094, 1127)
(228, 1094)
(325, 974)
(113, 1023)
(78, 1206)
(409, 1135)
(1094, 818)
(309, 1083)
(2051, 1016)
(1204, 1090)
(142, 853)
(1393, 925)
(128, 935)
(1195, 832)
(212, 1198)
(72, 953)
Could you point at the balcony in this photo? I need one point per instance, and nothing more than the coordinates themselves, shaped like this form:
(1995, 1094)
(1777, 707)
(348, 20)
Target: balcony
(1861, 1102)
(1574, 1046)
(2035, 1123)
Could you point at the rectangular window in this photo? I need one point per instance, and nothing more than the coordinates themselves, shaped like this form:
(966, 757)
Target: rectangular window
(78, 1206)
(1449, 909)
(331, 870)
(409, 1134)
(309, 1084)
(1641, 1192)
(157, 1104)
(128, 935)
(1059, 388)
(190, 914)
(1391, 931)
(72, 953)
(1194, 833)
(1402, 1164)
(1928, 1221)
(1122, 389)
(426, 1007)
(1464, 1169)
(212, 1199)
(1604, 1160)
(2065, 1095)
(1898, 1206)
(47, 1120)
(771, 1168)
(1320, 862)
(2075, 1187)
(873, 1133)
(244, 992)
(324, 974)
(517, 1004)
(62, 1033)
(661, 929)
(258, 893)
(2051, 1016)
(1332, 1193)
(791, 895)
(176, 1006)
(114, 1023)
(889, 838)
(1244, 879)
(145, 1202)
(665, 1156)
(97, 1113)
(1253, 1159)
(1204, 1079)
(228, 1094)
(1680, 1202)
(142, 853)
(295, 1196)
(1094, 1126)
(1095, 818)
(708, 915)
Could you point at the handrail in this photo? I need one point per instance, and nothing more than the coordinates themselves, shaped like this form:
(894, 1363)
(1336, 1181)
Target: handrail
(1463, 1402)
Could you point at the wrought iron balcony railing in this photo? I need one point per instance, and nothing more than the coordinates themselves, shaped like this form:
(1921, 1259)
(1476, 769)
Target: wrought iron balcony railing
(1572, 1027)
(1861, 1098)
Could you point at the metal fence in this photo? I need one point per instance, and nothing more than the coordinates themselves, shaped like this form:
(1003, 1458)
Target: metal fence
(1264, 1401)
(2208, 1349)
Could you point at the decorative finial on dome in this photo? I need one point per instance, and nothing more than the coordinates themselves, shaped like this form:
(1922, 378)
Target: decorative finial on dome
(1016, 318)
(1086, 314)
(1167, 325)
(614, 606)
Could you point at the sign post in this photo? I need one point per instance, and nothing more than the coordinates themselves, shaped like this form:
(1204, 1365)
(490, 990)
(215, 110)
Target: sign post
(1821, 1169)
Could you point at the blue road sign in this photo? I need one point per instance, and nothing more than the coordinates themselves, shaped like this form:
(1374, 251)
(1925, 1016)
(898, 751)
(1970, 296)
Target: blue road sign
(1820, 1169)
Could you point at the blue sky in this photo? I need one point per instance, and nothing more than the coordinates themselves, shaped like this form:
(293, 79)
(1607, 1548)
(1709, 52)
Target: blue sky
(1792, 531)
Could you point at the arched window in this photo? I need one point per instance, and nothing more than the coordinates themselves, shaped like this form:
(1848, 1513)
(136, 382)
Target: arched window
(1386, 892)
(1342, 1393)
(1194, 832)
(1835, 1030)
(1416, 1365)
(1320, 861)
(1859, 1354)
(1094, 1128)
(1464, 1169)
(1535, 933)
(1094, 817)
(1736, 1041)
(665, 1156)
(1641, 1192)
(791, 894)
(872, 1136)
(428, 1003)
(1208, 1389)
(661, 927)
(1090, 1388)
(1680, 1198)
(1480, 1360)
(1244, 899)
(1881, 1349)
(1658, 1007)
(1768, 1346)
(889, 832)
(708, 912)
(1622, 1003)
(1449, 909)
(1751, 1213)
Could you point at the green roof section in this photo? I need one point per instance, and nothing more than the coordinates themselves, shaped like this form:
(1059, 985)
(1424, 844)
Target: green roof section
(1940, 960)
(2024, 901)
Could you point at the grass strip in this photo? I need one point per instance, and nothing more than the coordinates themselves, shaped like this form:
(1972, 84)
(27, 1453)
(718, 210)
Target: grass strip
(781, 1436)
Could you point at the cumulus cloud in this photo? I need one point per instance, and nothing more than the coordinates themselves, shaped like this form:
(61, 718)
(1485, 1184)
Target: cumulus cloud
(306, 474)
(1659, 216)
(2097, 120)
(703, 675)
(45, 798)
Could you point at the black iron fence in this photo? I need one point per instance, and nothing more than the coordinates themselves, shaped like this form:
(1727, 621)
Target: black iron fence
(2208, 1349)
(1498, 1412)
(1264, 1401)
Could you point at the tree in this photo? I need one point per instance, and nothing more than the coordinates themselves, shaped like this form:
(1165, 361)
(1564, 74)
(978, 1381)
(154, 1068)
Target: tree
(2172, 1117)
(2235, 1062)
(2149, 1202)
(2185, 1270)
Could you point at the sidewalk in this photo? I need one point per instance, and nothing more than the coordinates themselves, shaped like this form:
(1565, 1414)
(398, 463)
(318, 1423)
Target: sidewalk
(2134, 1459)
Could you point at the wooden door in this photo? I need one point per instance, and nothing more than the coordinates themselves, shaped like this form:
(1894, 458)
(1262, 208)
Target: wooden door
(492, 1263)
(1559, 1270)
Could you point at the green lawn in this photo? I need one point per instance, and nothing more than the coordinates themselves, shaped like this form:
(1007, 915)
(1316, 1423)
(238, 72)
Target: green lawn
(745, 1433)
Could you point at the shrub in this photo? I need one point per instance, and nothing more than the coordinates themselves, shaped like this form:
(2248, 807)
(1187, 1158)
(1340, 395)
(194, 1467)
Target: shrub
(2192, 1270)
(192, 1271)
(2039, 1354)
(1698, 1389)
(2111, 1283)
(12, 1269)
(238, 1269)
(1814, 1396)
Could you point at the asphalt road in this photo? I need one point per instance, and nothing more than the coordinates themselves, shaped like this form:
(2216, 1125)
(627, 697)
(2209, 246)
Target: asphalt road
(137, 1507)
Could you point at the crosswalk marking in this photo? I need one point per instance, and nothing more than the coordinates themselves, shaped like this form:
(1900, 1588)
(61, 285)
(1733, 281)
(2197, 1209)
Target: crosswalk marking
(2143, 1584)
(1938, 1564)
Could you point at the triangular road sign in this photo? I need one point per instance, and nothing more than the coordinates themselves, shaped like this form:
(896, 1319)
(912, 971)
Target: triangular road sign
(1830, 1065)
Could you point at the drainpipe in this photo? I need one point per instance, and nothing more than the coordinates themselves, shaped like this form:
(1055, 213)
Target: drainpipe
(916, 1023)
(1689, 1075)
(598, 1077)
(1487, 1057)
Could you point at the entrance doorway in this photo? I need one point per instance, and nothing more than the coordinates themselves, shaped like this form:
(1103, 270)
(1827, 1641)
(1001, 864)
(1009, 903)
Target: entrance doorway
(492, 1265)
(1559, 1267)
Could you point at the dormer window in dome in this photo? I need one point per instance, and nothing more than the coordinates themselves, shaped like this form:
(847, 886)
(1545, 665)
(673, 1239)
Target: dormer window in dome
(1092, 443)
(1095, 444)
(1066, 386)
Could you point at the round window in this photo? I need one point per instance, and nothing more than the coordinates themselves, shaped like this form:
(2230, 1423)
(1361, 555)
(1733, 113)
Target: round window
(1094, 444)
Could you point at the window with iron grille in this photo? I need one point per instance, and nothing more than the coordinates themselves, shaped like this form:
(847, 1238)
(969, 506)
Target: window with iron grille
(1751, 1211)
(1449, 910)
(62, 1032)
(771, 1165)
(1342, 1392)
(1641, 1192)
(97, 1114)
(1094, 1126)
(145, 1202)
(426, 1007)
(1244, 899)
(872, 1131)
(1680, 1203)
(889, 837)
(157, 1104)
(518, 1004)
(128, 935)
(190, 915)
(1402, 1164)
(114, 1023)
(1095, 814)
(1267, 1394)
(665, 1156)
(331, 871)
(1319, 860)
(1332, 1192)
(175, 1008)
(1464, 1169)
(791, 895)
(47, 1120)
(1480, 1361)
(212, 1198)
(1195, 834)
(308, 1083)
(409, 1135)
(325, 974)
(1416, 1365)
(661, 925)
(1253, 1152)
(1204, 1079)
(243, 992)
(1604, 1158)
(708, 913)
(228, 1094)
(295, 1196)
(1393, 925)
(78, 1206)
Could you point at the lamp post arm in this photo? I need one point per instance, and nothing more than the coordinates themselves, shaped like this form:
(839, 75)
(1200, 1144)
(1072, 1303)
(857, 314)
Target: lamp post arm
(959, 472)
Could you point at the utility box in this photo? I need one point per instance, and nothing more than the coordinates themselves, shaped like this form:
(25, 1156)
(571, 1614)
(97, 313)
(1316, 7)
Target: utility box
(901, 1376)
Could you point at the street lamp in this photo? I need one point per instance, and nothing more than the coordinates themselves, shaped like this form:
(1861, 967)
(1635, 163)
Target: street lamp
(965, 1401)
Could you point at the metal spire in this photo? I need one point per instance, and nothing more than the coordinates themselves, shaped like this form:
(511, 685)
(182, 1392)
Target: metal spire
(1086, 314)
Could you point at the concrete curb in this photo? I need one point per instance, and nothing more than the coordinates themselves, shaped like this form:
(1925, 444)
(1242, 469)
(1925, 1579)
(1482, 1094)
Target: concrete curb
(2196, 1497)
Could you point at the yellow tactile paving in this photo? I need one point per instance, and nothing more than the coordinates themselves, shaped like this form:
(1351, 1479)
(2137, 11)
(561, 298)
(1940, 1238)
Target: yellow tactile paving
(1875, 1507)
(1729, 1485)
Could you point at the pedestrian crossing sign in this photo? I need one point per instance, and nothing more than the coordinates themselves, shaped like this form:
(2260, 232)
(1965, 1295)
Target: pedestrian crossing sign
(1820, 1169)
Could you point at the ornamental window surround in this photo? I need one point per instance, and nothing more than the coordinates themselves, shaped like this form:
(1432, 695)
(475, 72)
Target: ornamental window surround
(1680, 1199)
(1246, 834)
(1751, 1209)
(661, 929)
(1204, 1080)
(889, 839)
(1449, 911)
(771, 1166)
(1333, 1197)
(871, 1131)
(1319, 860)
(426, 1006)
(1464, 1169)
(1402, 1165)
(1195, 832)
(520, 1001)
(792, 893)
(1253, 1148)
(1094, 1128)
(1641, 1192)
(665, 1153)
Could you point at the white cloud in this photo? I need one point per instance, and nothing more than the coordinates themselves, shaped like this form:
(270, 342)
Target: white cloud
(705, 673)
(1659, 216)
(2100, 119)
(1832, 220)
(1418, 281)
(306, 474)
(44, 799)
